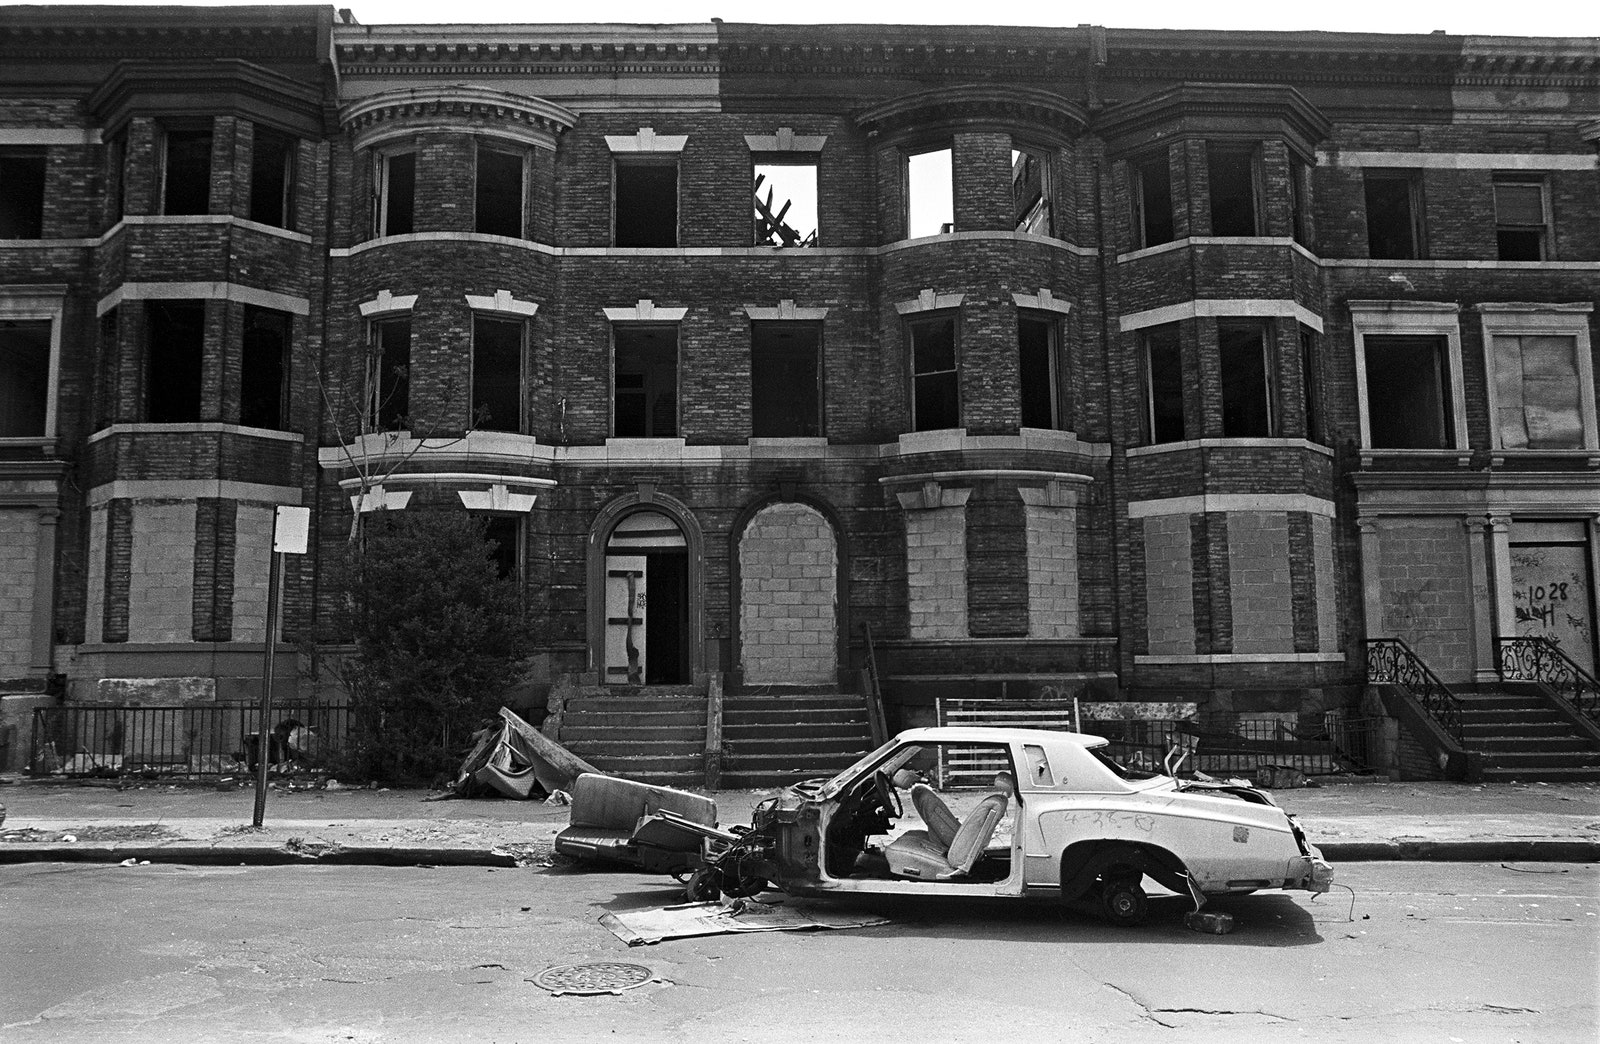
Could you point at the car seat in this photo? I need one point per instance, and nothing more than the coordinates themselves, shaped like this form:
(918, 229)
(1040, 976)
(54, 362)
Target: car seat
(920, 854)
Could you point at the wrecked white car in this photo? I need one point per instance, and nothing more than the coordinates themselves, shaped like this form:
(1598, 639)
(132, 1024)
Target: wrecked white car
(1013, 812)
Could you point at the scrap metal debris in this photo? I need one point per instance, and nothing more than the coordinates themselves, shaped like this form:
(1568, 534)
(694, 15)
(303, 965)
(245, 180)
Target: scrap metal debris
(516, 760)
(730, 916)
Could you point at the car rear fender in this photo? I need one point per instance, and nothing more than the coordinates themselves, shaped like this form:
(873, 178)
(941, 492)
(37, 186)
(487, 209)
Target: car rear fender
(1085, 862)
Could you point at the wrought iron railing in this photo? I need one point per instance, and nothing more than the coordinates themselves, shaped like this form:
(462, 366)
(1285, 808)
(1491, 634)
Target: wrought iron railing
(875, 715)
(1536, 658)
(1333, 742)
(195, 740)
(1391, 660)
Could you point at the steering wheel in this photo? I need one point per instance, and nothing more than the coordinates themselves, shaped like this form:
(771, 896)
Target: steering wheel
(888, 798)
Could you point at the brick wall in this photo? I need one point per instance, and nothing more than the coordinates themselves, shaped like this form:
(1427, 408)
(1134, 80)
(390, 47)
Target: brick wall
(788, 598)
(1426, 592)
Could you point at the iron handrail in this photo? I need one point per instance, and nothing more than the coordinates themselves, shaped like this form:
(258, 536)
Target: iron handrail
(875, 716)
(1534, 657)
(1392, 660)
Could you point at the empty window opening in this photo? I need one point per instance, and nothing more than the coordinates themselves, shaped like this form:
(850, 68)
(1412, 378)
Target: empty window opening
(496, 374)
(499, 193)
(1163, 367)
(116, 174)
(24, 378)
(1030, 192)
(1538, 392)
(186, 172)
(1233, 192)
(935, 383)
(396, 198)
(930, 194)
(21, 193)
(264, 369)
(1244, 351)
(645, 393)
(1519, 217)
(786, 204)
(272, 179)
(1392, 230)
(503, 535)
(1297, 200)
(1308, 383)
(647, 202)
(785, 379)
(1408, 401)
(1153, 197)
(175, 360)
(1037, 359)
(106, 359)
(389, 374)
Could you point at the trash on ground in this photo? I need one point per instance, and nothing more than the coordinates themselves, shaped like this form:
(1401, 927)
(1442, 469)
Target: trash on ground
(1209, 921)
(516, 760)
(657, 828)
(731, 916)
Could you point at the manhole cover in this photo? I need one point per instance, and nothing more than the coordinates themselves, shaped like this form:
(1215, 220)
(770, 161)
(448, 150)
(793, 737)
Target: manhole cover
(603, 977)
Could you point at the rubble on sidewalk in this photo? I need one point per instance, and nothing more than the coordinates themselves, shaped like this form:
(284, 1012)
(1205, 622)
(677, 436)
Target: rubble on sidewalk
(516, 760)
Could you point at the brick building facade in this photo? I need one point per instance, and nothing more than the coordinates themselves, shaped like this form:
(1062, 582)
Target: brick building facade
(1162, 366)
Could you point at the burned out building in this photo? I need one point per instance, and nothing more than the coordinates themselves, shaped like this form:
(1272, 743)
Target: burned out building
(1160, 369)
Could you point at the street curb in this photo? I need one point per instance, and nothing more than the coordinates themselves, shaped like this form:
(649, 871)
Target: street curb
(1541, 850)
(209, 855)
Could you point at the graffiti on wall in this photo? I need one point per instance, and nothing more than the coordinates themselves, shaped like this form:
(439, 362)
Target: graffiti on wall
(1551, 597)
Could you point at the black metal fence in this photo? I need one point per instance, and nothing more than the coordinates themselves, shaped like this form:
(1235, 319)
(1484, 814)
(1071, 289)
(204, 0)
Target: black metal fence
(1331, 743)
(191, 742)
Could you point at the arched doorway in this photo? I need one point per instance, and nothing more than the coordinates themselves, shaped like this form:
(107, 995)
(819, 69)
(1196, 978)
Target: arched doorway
(789, 597)
(647, 608)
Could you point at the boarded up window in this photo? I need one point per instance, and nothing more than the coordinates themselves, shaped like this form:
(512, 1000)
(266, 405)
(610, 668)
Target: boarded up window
(930, 193)
(645, 393)
(1392, 229)
(785, 379)
(390, 378)
(272, 179)
(1152, 191)
(395, 181)
(499, 193)
(1233, 192)
(935, 385)
(1408, 403)
(1163, 384)
(264, 371)
(1519, 217)
(187, 172)
(1037, 356)
(24, 377)
(174, 360)
(1246, 381)
(1537, 392)
(647, 202)
(786, 204)
(496, 374)
(21, 193)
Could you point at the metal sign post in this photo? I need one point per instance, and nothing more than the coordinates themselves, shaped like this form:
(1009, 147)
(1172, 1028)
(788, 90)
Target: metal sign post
(291, 528)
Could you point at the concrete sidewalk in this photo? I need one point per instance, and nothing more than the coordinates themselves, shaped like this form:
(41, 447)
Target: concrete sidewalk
(190, 823)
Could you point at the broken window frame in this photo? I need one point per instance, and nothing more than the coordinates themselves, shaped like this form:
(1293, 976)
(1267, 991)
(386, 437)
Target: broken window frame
(387, 403)
(260, 364)
(924, 383)
(1504, 228)
(1412, 245)
(510, 561)
(498, 195)
(394, 200)
(1038, 218)
(1217, 152)
(1051, 381)
(914, 220)
(787, 394)
(174, 360)
(648, 392)
(481, 322)
(272, 184)
(624, 204)
(1154, 221)
(1248, 378)
(23, 172)
(184, 179)
(1161, 360)
(769, 229)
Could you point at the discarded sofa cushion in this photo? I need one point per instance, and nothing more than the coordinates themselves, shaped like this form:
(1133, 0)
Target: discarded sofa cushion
(606, 811)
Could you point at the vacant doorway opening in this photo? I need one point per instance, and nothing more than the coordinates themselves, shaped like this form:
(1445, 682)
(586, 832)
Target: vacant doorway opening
(647, 602)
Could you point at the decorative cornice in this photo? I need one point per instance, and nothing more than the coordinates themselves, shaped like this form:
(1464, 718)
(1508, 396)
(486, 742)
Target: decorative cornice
(411, 109)
(220, 86)
(973, 103)
(1216, 110)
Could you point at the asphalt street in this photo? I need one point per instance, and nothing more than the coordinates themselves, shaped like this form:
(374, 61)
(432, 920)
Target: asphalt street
(1439, 952)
